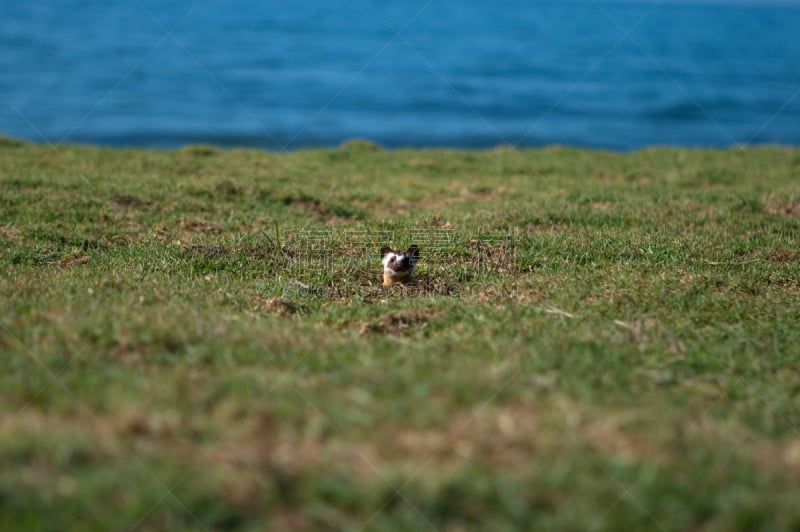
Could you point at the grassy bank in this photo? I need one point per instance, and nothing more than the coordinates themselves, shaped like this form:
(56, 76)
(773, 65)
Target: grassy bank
(198, 339)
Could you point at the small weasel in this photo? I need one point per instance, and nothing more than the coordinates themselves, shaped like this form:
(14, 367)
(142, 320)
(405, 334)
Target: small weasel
(398, 264)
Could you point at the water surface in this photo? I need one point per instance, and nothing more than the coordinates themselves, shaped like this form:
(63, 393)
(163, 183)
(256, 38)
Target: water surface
(469, 73)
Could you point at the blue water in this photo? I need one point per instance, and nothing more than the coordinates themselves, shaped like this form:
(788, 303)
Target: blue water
(289, 74)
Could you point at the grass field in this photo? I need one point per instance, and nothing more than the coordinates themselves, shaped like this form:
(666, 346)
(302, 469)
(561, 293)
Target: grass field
(198, 339)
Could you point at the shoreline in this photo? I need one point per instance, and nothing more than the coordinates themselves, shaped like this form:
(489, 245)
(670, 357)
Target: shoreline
(372, 145)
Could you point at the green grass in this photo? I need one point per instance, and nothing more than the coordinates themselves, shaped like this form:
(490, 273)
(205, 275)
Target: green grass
(198, 339)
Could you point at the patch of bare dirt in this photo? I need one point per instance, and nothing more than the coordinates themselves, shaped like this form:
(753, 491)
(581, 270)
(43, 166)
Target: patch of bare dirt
(208, 251)
(315, 208)
(322, 211)
(503, 435)
(74, 260)
(790, 285)
(786, 255)
(126, 201)
(369, 288)
(400, 323)
(602, 206)
(9, 231)
(609, 436)
(200, 226)
(781, 206)
(280, 306)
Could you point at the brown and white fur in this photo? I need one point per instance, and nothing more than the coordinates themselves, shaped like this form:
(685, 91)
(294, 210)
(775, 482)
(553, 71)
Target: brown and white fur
(398, 265)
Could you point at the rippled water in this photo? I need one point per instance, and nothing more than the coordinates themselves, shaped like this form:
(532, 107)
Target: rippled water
(414, 72)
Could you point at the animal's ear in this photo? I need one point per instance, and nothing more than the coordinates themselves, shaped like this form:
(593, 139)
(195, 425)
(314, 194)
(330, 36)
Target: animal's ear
(413, 250)
(384, 250)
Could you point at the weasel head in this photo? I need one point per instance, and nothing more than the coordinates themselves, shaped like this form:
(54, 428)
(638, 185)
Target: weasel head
(398, 264)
